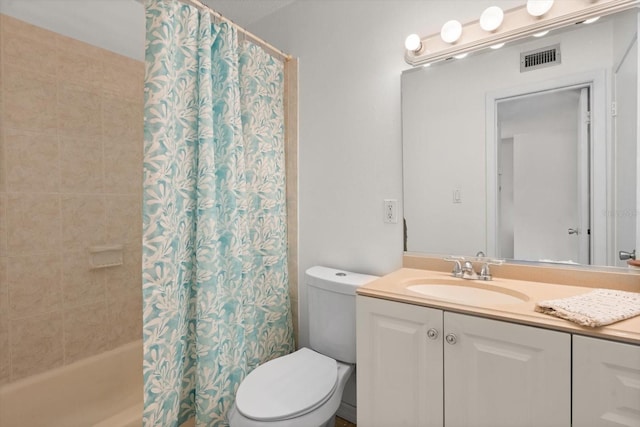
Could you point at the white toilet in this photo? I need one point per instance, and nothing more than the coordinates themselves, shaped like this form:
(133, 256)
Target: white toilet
(305, 388)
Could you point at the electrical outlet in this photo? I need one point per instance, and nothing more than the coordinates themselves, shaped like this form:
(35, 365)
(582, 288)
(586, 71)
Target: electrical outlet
(390, 211)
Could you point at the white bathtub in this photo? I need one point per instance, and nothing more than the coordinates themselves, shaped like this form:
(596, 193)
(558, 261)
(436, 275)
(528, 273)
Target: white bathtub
(102, 391)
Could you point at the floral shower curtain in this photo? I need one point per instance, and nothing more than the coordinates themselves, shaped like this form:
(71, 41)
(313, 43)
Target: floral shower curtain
(215, 282)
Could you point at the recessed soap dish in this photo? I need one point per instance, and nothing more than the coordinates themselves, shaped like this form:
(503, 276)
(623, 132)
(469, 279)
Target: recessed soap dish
(105, 256)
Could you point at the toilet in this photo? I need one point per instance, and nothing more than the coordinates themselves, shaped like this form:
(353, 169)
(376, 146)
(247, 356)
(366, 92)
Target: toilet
(305, 388)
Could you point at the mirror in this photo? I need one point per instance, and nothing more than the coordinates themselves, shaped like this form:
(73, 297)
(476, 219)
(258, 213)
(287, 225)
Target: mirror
(486, 166)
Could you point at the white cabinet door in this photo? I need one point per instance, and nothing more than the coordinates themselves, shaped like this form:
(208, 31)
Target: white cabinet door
(606, 383)
(503, 374)
(399, 367)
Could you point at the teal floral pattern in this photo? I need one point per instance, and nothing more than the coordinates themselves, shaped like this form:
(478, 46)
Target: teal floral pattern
(215, 282)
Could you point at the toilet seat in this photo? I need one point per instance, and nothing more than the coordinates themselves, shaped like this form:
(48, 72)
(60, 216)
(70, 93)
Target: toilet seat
(288, 387)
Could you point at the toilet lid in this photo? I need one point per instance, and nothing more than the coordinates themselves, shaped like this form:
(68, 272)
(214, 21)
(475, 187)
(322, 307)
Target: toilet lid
(288, 386)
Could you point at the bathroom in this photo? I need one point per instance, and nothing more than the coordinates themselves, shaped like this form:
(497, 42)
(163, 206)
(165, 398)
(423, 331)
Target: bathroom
(349, 157)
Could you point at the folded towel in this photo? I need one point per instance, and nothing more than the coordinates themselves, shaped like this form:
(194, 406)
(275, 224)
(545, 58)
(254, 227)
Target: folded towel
(596, 308)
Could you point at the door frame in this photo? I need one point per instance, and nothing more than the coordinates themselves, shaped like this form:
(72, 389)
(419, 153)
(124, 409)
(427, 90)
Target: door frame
(596, 80)
(613, 223)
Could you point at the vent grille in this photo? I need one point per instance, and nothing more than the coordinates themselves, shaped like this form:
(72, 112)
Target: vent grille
(540, 58)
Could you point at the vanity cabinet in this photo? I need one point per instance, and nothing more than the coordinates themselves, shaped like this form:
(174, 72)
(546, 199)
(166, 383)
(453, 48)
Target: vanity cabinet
(606, 383)
(399, 368)
(420, 366)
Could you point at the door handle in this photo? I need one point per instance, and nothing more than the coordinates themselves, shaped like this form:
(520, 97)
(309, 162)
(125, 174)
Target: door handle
(627, 255)
(574, 231)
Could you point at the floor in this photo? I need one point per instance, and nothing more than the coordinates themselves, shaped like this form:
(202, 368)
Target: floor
(343, 423)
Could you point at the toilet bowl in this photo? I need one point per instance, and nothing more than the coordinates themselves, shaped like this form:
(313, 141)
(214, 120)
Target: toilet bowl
(304, 388)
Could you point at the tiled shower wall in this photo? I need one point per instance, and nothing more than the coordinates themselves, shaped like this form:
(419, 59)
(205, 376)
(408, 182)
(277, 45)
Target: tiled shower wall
(71, 124)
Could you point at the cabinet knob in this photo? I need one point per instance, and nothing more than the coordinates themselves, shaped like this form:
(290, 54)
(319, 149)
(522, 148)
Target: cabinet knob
(432, 334)
(451, 338)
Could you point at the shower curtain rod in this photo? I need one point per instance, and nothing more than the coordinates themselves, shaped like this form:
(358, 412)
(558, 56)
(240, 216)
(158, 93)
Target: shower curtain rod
(283, 56)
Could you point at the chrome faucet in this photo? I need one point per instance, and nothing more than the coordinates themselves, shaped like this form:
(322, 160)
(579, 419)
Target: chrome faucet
(464, 269)
(468, 272)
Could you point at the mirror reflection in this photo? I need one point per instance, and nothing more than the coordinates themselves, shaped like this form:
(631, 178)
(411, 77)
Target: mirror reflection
(531, 164)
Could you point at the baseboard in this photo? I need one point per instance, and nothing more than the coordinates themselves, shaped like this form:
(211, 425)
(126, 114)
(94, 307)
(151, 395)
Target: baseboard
(347, 412)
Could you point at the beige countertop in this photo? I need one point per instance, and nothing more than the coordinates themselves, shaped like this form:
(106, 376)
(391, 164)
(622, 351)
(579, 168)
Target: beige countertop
(394, 287)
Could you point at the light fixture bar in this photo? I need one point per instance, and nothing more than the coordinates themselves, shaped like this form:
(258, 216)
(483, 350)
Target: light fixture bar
(517, 24)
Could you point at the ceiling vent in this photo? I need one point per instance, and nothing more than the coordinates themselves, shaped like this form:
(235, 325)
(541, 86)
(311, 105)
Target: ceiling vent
(540, 58)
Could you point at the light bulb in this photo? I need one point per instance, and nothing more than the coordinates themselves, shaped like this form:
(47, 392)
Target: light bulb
(539, 7)
(491, 18)
(413, 43)
(451, 31)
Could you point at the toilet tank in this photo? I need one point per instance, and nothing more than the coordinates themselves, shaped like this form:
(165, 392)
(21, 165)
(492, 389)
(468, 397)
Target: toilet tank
(331, 299)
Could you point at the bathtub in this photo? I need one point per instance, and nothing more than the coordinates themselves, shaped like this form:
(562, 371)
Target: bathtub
(102, 391)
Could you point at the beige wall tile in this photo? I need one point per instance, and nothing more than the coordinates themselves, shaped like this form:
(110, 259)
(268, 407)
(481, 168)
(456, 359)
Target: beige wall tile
(36, 344)
(32, 162)
(124, 219)
(3, 224)
(29, 100)
(79, 111)
(123, 168)
(81, 165)
(125, 320)
(4, 287)
(123, 77)
(27, 46)
(85, 329)
(54, 306)
(294, 315)
(5, 355)
(78, 62)
(33, 223)
(34, 285)
(125, 280)
(3, 161)
(122, 120)
(81, 285)
(83, 218)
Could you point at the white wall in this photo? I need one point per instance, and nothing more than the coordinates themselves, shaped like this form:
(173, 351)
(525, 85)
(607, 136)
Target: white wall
(115, 25)
(351, 58)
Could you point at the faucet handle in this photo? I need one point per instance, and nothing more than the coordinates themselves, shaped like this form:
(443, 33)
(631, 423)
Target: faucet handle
(457, 265)
(485, 272)
(457, 269)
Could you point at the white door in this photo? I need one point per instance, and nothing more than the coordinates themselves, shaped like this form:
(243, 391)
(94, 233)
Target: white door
(625, 216)
(502, 374)
(399, 372)
(606, 383)
(545, 198)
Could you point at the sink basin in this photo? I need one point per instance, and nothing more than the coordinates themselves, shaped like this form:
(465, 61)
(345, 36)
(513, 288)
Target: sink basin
(469, 293)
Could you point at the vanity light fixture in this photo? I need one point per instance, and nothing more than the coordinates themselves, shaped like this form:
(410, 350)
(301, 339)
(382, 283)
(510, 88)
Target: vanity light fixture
(451, 31)
(491, 18)
(413, 43)
(533, 17)
(539, 7)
